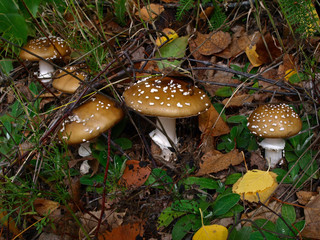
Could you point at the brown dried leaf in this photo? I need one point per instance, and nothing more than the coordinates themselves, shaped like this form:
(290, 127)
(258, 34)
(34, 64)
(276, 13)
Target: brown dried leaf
(305, 196)
(211, 123)
(213, 42)
(124, 232)
(257, 160)
(272, 45)
(215, 161)
(312, 218)
(238, 100)
(150, 12)
(45, 206)
(135, 174)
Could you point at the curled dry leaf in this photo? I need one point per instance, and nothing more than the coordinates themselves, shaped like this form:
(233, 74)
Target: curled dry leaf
(130, 231)
(215, 161)
(238, 100)
(312, 217)
(305, 196)
(150, 12)
(135, 174)
(45, 206)
(211, 123)
(212, 43)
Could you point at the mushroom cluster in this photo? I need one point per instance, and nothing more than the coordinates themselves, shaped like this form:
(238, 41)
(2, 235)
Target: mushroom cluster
(47, 48)
(274, 123)
(167, 99)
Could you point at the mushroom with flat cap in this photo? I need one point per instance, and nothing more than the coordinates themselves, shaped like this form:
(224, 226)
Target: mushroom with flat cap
(68, 83)
(274, 123)
(90, 120)
(167, 99)
(47, 48)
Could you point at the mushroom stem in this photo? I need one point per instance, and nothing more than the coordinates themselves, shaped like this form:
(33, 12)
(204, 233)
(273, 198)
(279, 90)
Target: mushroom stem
(169, 125)
(45, 71)
(273, 150)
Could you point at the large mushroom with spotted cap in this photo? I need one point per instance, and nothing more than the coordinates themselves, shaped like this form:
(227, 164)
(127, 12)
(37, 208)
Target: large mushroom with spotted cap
(167, 99)
(91, 119)
(274, 123)
(47, 48)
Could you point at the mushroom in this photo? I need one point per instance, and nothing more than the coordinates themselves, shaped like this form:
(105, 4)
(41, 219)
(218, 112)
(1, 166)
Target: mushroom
(67, 83)
(48, 48)
(90, 120)
(274, 123)
(167, 99)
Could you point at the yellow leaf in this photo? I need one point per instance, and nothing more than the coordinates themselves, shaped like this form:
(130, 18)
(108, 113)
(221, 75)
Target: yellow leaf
(253, 56)
(216, 232)
(289, 73)
(170, 33)
(256, 182)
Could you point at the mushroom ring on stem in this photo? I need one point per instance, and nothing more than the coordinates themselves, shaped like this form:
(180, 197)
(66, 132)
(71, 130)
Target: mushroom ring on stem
(166, 98)
(48, 48)
(274, 123)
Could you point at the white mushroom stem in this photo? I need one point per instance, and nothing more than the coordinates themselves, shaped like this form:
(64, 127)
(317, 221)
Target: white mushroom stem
(273, 150)
(169, 127)
(45, 71)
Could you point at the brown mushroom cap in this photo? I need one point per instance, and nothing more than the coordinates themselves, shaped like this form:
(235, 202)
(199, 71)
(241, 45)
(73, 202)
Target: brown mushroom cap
(66, 82)
(274, 121)
(43, 48)
(166, 97)
(90, 120)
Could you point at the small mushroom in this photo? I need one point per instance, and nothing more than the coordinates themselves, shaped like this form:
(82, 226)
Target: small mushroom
(90, 120)
(67, 83)
(168, 99)
(48, 48)
(274, 123)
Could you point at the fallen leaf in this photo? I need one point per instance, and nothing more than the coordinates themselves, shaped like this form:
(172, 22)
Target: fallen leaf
(209, 232)
(256, 182)
(130, 231)
(211, 123)
(305, 196)
(8, 222)
(253, 56)
(257, 160)
(209, 44)
(169, 36)
(312, 218)
(135, 174)
(215, 161)
(150, 12)
(238, 100)
(44, 206)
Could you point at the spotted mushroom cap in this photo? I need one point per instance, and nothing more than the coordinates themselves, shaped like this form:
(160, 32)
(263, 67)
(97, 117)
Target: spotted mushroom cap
(274, 121)
(90, 120)
(43, 48)
(66, 82)
(166, 97)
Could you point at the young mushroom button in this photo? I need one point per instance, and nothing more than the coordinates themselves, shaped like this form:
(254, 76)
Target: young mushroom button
(90, 120)
(274, 123)
(168, 99)
(48, 48)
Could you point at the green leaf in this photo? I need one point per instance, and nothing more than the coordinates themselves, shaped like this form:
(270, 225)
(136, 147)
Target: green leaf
(258, 236)
(233, 211)
(288, 212)
(6, 66)
(281, 227)
(203, 183)
(184, 205)
(224, 92)
(159, 179)
(8, 6)
(298, 77)
(183, 226)
(124, 143)
(174, 49)
(225, 203)
(15, 25)
(236, 119)
(264, 224)
(167, 216)
(242, 234)
(233, 178)
(281, 173)
(90, 181)
(33, 6)
(291, 156)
